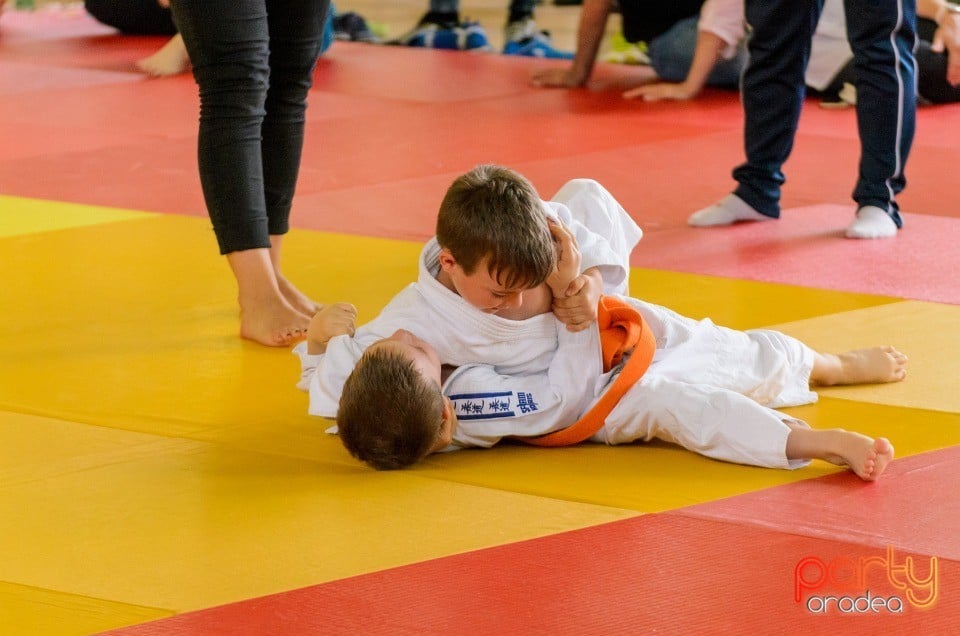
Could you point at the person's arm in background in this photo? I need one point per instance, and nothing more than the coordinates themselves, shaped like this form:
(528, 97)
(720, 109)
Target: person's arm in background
(947, 37)
(720, 31)
(590, 32)
(705, 56)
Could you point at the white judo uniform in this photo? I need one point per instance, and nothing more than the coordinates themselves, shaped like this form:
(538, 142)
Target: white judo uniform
(710, 389)
(462, 334)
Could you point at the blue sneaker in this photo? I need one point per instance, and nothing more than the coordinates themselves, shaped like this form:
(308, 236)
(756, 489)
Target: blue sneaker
(430, 36)
(474, 38)
(468, 36)
(433, 30)
(537, 45)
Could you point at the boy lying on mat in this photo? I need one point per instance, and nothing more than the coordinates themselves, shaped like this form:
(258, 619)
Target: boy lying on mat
(646, 372)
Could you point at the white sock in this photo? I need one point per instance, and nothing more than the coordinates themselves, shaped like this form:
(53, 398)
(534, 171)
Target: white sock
(872, 223)
(726, 211)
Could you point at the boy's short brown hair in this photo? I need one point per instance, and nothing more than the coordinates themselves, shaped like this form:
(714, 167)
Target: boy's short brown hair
(389, 415)
(495, 213)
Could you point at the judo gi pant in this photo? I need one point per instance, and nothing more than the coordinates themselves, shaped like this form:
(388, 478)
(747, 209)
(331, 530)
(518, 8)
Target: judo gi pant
(713, 391)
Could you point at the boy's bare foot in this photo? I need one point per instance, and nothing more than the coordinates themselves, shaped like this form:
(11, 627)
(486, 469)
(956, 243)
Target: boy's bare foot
(860, 366)
(297, 299)
(171, 59)
(865, 456)
(275, 324)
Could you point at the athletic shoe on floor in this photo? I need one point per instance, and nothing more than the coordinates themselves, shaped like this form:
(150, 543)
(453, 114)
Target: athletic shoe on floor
(537, 45)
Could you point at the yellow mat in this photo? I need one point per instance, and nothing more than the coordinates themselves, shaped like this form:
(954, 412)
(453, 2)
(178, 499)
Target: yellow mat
(26, 216)
(29, 610)
(927, 332)
(130, 334)
(741, 304)
(657, 477)
(178, 524)
(151, 459)
(103, 324)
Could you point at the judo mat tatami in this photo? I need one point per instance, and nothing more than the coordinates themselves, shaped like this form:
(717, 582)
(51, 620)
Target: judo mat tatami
(153, 465)
(809, 557)
(142, 440)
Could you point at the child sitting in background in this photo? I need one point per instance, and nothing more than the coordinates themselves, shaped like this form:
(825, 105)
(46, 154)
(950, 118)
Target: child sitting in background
(686, 51)
(688, 45)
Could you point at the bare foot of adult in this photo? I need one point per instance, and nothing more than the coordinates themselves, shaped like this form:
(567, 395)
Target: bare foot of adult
(272, 322)
(265, 315)
(860, 366)
(296, 298)
(171, 59)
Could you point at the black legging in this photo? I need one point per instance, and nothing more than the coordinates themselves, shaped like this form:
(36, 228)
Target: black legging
(134, 17)
(253, 61)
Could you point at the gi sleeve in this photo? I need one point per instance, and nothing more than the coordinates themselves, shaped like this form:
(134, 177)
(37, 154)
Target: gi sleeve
(308, 365)
(491, 406)
(323, 375)
(604, 231)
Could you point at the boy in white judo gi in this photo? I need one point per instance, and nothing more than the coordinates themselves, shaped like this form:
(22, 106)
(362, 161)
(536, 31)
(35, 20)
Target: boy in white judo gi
(709, 389)
(480, 295)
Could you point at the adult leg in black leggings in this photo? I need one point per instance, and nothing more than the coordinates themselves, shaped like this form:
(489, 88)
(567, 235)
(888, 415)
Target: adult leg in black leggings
(253, 61)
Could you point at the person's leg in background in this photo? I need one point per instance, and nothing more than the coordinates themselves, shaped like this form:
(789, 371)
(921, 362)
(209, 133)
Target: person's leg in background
(298, 32)
(444, 13)
(882, 36)
(521, 36)
(671, 55)
(229, 45)
(441, 28)
(772, 91)
(932, 84)
(520, 24)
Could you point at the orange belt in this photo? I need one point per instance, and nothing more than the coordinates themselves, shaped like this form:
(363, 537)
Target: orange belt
(622, 328)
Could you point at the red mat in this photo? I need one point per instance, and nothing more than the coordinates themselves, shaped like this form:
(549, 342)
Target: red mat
(389, 128)
(818, 556)
(387, 117)
(806, 247)
(915, 506)
(657, 573)
(18, 77)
